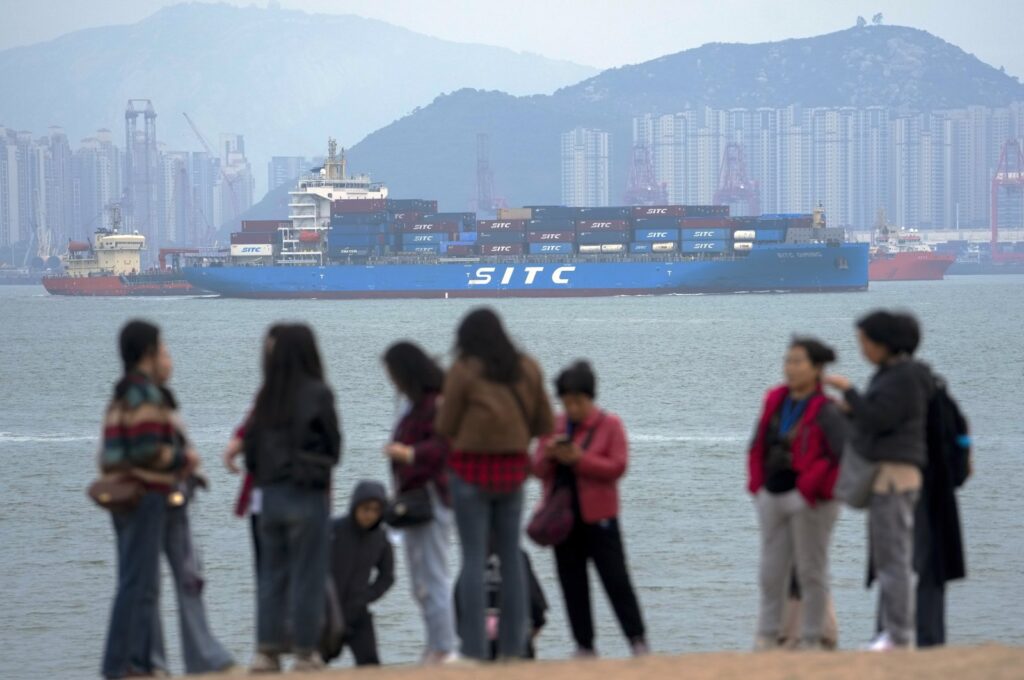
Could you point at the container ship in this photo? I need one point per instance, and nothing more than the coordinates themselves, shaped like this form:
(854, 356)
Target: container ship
(111, 266)
(347, 239)
(904, 256)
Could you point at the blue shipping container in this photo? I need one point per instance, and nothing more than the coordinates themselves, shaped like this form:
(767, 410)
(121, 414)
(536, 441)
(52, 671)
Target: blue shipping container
(352, 240)
(468, 236)
(426, 248)
(704, 246)
(764, 235)
(551, 249)
(609, 213)
(557, 212)
(705, 234)
(656, 234)
(360, 229)
(637, 248)
(597, 238)
(501, 237)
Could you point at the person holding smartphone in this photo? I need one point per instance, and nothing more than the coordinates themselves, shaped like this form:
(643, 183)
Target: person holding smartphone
(588, 454)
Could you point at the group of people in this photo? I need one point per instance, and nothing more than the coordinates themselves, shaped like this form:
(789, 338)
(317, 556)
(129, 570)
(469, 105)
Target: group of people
(795, 459)
(460, 455)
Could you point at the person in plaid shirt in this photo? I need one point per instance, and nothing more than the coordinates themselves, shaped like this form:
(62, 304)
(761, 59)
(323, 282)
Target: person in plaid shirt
(493, 406)
(419, 458)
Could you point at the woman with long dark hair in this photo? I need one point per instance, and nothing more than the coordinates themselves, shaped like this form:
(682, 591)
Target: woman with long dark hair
(292, 443)
(792, 468)
(889, 429)
(419, 459)
(493, 406)
(139, 443)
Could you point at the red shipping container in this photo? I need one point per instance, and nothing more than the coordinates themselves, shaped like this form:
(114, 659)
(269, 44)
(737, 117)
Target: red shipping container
(358, 205)
(659, 210)
(413, 227)
(501, 249)
(602, 225)
(461, 251)
(501, 225)
(263, 226)
(706, 223)
(551, 236)
(242, 238)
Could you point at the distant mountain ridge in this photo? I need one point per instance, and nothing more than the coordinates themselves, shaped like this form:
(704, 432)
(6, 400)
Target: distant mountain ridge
(431, 153)
(285, 79)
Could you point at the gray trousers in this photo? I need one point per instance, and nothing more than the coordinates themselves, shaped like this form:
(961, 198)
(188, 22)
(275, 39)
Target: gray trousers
(794, 533)
(481, 515)
(426, 554)
(891, 536)
(202, 651)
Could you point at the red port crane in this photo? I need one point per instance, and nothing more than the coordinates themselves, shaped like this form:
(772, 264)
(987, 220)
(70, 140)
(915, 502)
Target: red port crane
(1010, 178)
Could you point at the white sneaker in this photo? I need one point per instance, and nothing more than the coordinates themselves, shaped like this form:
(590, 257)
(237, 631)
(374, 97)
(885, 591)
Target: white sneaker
(307, 663)
(882, 643)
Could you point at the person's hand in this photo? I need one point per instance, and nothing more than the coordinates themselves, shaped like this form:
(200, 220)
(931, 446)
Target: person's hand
(839, 382)
(191, 464)
(231, 452)
(400, 453)
(569, 454)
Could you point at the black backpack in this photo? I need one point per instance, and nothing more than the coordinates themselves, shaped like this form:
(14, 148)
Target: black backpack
(948, 435)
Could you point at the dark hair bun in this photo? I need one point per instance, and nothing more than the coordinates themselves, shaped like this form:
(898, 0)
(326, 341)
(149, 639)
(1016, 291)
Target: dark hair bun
(818, 352)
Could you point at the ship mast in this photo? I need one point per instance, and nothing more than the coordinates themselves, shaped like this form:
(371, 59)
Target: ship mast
(334, 167)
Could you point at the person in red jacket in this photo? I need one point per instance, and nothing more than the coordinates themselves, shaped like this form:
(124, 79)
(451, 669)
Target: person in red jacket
(588, 454)
(793, 465)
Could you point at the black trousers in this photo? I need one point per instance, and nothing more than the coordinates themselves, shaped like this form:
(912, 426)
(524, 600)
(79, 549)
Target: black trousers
(361, 639)
(601, 543)
(931, 612)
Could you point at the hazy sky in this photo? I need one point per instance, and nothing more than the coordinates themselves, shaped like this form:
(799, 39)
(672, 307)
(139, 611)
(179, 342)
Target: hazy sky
(600, 33)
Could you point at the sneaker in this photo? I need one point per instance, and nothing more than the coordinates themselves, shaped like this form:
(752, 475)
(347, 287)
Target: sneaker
(639, 648)
(308, 662)
(265, 663)
(583, 653)
(438, 658)
(882, 643)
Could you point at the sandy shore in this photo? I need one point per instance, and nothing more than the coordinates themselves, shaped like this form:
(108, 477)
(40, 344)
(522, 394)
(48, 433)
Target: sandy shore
(990, 661)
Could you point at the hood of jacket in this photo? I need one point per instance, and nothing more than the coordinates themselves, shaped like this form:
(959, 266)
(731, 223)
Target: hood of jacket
(367, 491)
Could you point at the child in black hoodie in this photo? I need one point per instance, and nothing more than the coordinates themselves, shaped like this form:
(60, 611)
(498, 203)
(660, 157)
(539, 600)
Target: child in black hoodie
(359, 547)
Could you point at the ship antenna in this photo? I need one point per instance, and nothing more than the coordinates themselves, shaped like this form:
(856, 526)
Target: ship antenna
(115, 217)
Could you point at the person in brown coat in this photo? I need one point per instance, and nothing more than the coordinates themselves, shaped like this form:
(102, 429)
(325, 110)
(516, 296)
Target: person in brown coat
(493, 405)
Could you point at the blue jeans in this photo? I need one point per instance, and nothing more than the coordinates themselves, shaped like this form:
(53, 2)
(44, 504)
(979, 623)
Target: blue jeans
(203, 653)
(294, 544)
(426, 552)
(131, 631)
(481, 515)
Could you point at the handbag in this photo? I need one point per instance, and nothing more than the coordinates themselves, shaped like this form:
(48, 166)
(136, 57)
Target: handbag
(117, 492)
(410, 508)
(856, 478)
(552, 523)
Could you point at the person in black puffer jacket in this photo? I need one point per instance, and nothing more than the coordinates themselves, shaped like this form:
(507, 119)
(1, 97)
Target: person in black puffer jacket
(889, 428)
(292, 444)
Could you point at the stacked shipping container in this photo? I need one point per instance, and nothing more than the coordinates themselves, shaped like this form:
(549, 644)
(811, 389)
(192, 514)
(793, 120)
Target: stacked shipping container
(396, 227)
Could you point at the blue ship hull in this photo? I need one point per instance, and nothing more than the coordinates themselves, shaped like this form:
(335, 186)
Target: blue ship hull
(809, 268)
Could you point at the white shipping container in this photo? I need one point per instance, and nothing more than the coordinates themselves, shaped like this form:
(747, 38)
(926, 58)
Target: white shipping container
(744, 235)
(613, 248)
(744, 246)
(251, 250)
(664, 247)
